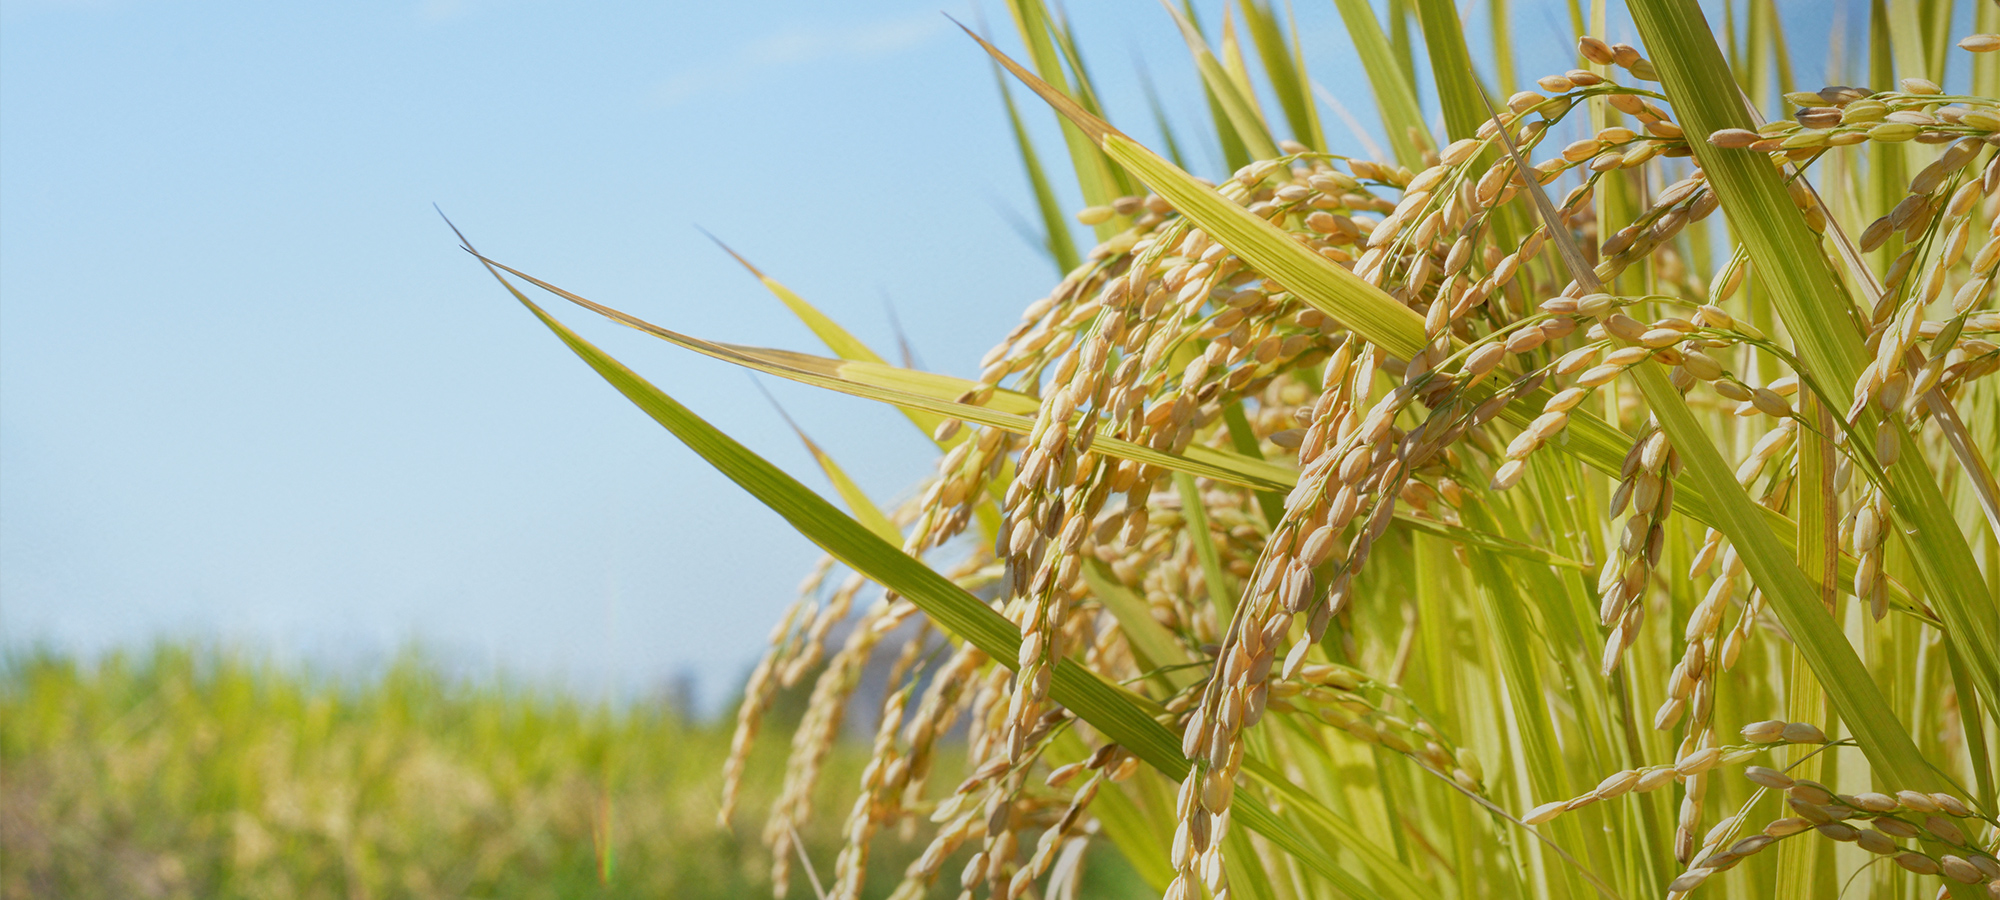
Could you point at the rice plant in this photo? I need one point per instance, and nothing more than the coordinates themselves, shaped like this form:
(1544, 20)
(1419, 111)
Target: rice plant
(1491, 518)
(191, 771)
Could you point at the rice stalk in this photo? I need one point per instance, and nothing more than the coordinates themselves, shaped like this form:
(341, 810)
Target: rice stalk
(1324, 491)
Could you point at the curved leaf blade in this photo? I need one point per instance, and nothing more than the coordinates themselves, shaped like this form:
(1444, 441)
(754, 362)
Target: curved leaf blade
(1119, 714)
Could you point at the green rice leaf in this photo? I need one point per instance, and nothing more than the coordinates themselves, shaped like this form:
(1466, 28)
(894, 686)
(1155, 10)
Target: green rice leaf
(865, 511)
(1451, 65)
(1244, 439)
(1116, 712)
(1247, 876)
(1160, 120)
(1094, 174)
(1286, 69)
(1153, 646)
(1230, 52)
(1818, 315)
(1979, 752)
(842, 342)
(1212, 577)
(927, 392)
(1240, 109)
(1059, 29)
(1816, 508)
(1055, 226)
(1400, 880)
(1359, 305)
(1395, 95)
(1500, 26)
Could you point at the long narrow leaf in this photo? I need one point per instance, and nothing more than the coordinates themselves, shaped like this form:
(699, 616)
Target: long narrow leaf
(1055, 227)
(1241, 111)
(1117, 713)
(901, 387)
(1285, 68)
(1340, 293)
(1093, 172)
(842, 342)
(1212, 579)
(1451, 64)
(1395, 95)
(1876, 728)
(865, 511)
(936, 395)
(1815, 311)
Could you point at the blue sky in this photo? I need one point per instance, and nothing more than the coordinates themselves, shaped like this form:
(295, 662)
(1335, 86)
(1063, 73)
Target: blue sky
(250, 391)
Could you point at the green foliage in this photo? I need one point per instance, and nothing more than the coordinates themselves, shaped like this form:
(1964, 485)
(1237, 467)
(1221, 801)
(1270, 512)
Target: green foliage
(193, 772)
(1441, 565)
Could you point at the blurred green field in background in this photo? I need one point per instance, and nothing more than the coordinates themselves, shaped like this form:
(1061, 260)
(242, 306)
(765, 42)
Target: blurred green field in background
(187, 771)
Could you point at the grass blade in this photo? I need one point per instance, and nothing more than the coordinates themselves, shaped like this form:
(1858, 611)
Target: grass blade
(1094, 173)
(1152, 644)
(926, 392)
(1875, 726)
(865, 511)
(1055, 226)
(1212, 578)
(842, 342)
(1818, 316)
(1160, 120)
(1241, 111)
(1117, 713)
(1361, 306)
(1500, 24)
(1395, 94)
(1451, 65)
(1285, 66)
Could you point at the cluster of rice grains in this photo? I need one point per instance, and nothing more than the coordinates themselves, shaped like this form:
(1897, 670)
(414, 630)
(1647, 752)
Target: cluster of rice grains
(1165, 340)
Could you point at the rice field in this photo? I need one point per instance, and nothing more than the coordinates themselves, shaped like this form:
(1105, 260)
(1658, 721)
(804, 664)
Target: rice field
(190, 771)
(1584, 491)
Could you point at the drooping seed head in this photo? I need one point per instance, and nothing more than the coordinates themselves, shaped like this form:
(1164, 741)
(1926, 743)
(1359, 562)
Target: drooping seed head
(1958, 869)
(1616, 784)
(1897, 828)
(1945, 829)
(1689, 880)
(1698, 762)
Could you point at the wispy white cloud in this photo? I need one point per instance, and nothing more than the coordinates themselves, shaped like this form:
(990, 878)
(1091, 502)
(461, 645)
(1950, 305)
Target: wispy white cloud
(797, 46)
